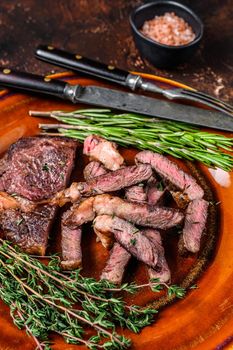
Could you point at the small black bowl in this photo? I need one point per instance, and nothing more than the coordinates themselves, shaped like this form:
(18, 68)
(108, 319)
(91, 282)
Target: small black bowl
(160, 55)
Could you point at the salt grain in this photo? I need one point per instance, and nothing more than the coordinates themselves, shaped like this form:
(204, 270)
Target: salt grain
(168, 29)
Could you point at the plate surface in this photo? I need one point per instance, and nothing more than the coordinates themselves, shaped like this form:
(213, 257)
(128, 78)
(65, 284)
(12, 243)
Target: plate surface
(203, 320)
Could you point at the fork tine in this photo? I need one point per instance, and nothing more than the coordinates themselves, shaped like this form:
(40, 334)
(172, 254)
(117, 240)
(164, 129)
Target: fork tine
(212, 100)
(220, 102)
(194, 98)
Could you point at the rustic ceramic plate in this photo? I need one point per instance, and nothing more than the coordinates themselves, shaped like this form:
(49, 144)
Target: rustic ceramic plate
(201, 321)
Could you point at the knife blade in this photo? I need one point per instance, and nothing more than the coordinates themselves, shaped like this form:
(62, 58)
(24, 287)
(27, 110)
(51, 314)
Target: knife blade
(114, 99)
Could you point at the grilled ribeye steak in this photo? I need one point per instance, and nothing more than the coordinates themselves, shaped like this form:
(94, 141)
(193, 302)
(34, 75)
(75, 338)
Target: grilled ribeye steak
(129, 237)
(71, 248)
(140, 214)
(30, 231)
(116, 264)
(104, 151)
(116, 180)
(194, 224)
(37, 167)
(93, 169)
(170, 172)
(136, 193)
(110, 182)
(161, 271)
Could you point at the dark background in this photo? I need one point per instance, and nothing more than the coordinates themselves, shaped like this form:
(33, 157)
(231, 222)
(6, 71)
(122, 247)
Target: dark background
(99, 29)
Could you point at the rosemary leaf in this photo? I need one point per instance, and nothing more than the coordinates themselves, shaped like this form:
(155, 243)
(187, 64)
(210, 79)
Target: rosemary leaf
(167, 137)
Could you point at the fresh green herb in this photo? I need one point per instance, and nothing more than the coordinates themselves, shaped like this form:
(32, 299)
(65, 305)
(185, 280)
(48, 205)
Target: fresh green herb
(160, 186)
(19, 221)
(173, 138)
(133, 241)
(62, 176)
(45, 167)
(42, 300)
(194, 286)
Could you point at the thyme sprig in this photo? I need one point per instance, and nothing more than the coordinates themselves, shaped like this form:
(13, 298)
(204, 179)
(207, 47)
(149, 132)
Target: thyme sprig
(42, 300)
(177, 139)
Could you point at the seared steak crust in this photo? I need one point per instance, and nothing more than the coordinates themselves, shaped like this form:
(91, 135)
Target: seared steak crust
(37, 168)
(30, 231)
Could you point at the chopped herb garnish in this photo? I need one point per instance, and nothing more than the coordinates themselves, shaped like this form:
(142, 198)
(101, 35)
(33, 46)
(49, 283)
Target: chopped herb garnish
(133, 241)
(62, 176)
(160, 186)
(19, 221)
(194, 286)
(45, 167)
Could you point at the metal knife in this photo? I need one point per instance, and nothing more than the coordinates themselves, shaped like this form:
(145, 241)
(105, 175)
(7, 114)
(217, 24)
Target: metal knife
(122, 101)
(132, 81)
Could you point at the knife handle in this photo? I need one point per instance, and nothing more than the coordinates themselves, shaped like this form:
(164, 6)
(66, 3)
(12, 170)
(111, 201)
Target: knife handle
(81, 64)
(30, 82)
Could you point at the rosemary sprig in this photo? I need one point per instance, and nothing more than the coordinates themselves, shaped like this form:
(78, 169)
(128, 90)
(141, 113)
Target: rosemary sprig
(43, 299)
(177, 139)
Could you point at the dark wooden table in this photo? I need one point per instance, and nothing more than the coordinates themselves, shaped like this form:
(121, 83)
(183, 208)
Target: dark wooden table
(99, 29)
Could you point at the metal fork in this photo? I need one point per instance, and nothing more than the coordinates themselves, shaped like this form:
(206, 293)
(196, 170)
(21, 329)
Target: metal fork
(133, 81)
(181, 94)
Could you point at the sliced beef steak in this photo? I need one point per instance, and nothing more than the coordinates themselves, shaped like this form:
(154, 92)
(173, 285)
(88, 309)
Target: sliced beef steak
(155, 192)
(194, 224)
(138, 213)
(71, 236)
(71, 248)
(105, 237)
(161, 271)
(37, 167)
(171, 173)
(94, 169)
(30, 231)
(116, 264)
(136, 193)
(97, 148)
(129, 237)
(117, 180)
(110, 182)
